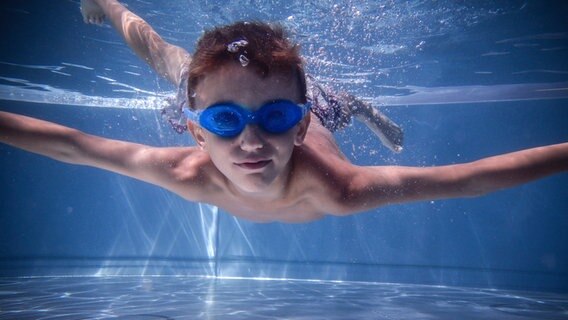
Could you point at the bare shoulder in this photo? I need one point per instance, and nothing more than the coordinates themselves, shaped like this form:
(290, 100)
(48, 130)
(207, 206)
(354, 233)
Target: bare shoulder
(187, 171)
(322, 172)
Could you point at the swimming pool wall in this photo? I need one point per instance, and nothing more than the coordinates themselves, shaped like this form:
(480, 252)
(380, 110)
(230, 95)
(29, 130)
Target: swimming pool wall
(60, 219)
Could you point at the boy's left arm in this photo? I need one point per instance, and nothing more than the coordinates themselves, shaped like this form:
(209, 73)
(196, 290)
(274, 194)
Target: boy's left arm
(371, 187)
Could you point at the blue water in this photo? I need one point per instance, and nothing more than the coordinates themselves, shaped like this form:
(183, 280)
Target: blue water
(78, 242)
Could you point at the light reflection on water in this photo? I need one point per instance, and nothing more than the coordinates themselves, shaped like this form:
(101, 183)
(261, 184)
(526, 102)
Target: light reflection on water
(210, 298)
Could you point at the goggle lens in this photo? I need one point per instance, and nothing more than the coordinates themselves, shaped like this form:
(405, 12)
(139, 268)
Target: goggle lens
(229, 119)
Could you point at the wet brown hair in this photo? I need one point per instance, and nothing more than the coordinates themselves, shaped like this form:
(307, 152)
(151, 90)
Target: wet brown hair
(267, 51)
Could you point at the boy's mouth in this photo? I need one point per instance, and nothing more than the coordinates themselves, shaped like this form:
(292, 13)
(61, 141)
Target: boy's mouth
(253, 165)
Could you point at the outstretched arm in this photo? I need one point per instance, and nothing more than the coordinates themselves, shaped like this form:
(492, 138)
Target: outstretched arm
(370, 187)
(172, 168)
(165, 58)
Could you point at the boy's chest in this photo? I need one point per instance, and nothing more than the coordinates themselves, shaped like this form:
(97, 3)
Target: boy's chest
(291, 210)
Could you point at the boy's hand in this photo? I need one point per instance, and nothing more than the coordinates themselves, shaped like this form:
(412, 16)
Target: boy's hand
(92, 12)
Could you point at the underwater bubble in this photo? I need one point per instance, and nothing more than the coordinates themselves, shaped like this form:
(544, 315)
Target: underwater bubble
(244, 60)
(235, 46)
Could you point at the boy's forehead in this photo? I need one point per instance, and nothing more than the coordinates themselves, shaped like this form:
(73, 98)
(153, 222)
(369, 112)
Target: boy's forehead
(243, 86)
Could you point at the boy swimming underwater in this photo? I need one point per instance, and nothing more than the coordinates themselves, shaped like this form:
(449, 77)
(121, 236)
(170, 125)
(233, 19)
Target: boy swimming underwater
(260, 153)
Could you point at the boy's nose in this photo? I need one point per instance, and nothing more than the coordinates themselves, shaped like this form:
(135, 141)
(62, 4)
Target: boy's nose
(251, 138)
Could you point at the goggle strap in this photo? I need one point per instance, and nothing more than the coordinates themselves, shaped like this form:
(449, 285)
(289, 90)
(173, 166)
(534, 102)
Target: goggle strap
(306, 107)
(190, 114)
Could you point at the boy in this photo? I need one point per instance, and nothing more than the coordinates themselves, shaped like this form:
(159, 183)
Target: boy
(260, 155)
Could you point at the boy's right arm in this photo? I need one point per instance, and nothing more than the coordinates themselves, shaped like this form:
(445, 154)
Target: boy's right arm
(166, 59)
(165, 167)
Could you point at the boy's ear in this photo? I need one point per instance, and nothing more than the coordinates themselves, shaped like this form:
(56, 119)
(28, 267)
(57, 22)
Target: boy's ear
(197, 133)
(303, 130)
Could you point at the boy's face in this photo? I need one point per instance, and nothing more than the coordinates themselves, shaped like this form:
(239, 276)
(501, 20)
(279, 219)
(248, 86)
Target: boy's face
(254, 160)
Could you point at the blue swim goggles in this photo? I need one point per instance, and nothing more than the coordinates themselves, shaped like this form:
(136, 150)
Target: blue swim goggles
(227, 119)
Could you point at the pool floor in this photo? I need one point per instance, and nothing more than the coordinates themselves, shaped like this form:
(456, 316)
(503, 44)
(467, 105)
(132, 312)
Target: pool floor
(209, 298)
